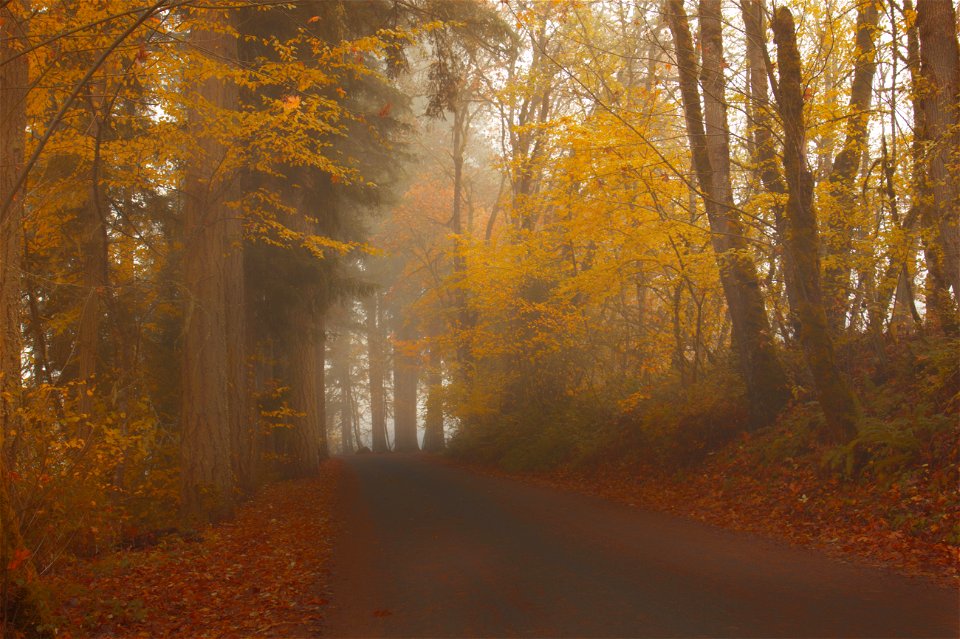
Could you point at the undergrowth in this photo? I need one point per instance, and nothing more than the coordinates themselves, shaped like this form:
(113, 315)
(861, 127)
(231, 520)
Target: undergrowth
(902, 464)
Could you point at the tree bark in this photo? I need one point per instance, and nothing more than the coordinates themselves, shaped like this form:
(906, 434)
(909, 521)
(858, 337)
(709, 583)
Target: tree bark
(895, 282)
(378, 421)
(21, 594)
(346, 404)
(242, 419)
(836, 398)
(940, 311)
(339, 355)
(433, 437)
(206, 439)
(464, 321)
(938, 98)
(708, 133)
(94, 278)
(13, 121)
(761, 128)
(840, 222)
(406, 373)
(306, 354)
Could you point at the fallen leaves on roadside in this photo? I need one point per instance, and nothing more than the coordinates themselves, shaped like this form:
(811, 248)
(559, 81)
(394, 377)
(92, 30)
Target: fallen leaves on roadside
(262, 574)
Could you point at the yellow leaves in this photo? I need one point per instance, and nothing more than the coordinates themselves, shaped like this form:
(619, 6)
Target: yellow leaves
(629, 403)
(290, 103)
(262, 224)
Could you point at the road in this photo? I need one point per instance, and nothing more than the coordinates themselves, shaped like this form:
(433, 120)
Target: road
(431, 550)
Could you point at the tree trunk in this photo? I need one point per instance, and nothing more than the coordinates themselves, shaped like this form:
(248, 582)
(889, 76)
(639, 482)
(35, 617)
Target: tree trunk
(242, 419)
(896, 282)
(708, 133)
(763, 140)
(433, 438)
(206, 438)
(456, 221)
(306, 354)
(18, 586)
(837, 400)
(378, 421)
(342, 365)
(94, 278)
(940, 310)
(938, 98)
(13, 122)
(840, 222)
(241, 371)
(406, 374)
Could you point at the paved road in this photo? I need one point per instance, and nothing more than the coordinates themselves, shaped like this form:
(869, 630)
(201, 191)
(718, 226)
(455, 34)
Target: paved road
(429, 550)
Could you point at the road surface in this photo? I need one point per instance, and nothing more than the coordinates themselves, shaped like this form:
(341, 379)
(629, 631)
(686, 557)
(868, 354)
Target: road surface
(430, 550)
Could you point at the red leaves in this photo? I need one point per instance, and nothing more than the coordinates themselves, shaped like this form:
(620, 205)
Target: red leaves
(19, 556)
(258, 575)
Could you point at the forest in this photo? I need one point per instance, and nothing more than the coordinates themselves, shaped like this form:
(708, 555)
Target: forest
(708, 250)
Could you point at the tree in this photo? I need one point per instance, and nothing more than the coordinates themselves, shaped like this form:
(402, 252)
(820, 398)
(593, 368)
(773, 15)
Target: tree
(375, 357)
(846, 165)
(764, 144)
(837, 400)
(709, 133)
(14, 82)
(936, 71)
(207, 437)
(433, 436)
(471, 32)
(406, 377)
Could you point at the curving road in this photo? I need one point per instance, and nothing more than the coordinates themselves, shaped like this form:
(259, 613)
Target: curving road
(428, 550)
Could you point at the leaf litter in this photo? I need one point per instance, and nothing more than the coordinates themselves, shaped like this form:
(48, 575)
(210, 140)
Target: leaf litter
(262, 574)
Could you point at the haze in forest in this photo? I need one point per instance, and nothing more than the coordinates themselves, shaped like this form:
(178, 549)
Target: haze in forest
(617, 237)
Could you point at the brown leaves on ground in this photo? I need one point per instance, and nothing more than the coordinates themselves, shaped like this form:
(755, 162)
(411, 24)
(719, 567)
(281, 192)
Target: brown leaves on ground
(262, 574)
(898, 526)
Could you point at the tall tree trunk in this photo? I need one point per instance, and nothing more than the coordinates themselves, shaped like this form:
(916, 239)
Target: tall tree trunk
(940, 309)
(761, 127)
(708, 133)
(306, 354)
(19, 590)
(13, 122)
(246, 376)
(94, 278)
(464, 321)
(341, 371)
(433, 438)
(378, 421)
(840, 222)
(938, 98)
(243, 422)
(206, 438)
(406, 373)
(895, 283)
(836, 398)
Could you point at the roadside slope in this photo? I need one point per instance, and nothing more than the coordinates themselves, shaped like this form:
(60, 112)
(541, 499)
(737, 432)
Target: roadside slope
(261, 574)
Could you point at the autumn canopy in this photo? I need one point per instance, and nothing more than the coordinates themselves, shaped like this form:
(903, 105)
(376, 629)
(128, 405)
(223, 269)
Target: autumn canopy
(239, 237)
